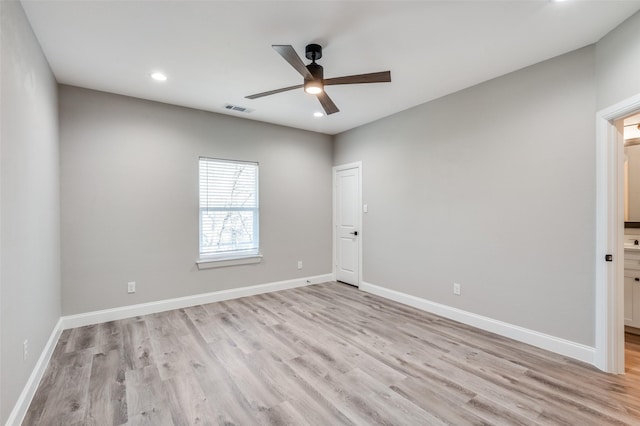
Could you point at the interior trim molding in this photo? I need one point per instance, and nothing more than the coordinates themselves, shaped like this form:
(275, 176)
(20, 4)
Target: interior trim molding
(210, 263)
(96, 317)
(336, 169)
(609, 282)
(24, 400)
(545, 341)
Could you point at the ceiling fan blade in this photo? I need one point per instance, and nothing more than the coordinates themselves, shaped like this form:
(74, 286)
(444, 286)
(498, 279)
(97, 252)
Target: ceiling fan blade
(374, 77)
(327, 103)
(273, 92)
(289, 54)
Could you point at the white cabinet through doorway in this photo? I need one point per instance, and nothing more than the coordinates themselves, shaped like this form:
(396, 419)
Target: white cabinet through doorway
(632, 288)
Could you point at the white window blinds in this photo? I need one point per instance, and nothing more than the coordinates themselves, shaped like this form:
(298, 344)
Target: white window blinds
(228, 208)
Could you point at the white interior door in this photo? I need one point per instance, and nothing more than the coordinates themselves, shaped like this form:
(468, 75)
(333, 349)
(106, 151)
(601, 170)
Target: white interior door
(347, 224)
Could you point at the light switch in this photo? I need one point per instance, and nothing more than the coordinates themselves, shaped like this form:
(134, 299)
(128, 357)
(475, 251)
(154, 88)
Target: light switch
(365, 208)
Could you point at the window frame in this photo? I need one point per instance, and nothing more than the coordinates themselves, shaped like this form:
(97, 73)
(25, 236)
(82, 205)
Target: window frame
(233, 257)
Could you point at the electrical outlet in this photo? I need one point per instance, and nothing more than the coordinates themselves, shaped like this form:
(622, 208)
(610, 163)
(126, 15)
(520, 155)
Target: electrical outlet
(456, 289)
(131, 287)
(299, 264)
(25, 350)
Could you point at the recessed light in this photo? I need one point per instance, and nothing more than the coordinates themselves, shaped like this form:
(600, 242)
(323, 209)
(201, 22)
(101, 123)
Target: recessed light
(318, 114)
(158, 76)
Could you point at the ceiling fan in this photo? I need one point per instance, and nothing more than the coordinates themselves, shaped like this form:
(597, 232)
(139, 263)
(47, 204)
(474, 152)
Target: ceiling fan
(314, 81)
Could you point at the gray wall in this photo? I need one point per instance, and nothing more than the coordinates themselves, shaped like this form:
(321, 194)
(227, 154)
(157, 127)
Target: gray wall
(129, 186)
(618, 63)
(493, 188)
(29, 212)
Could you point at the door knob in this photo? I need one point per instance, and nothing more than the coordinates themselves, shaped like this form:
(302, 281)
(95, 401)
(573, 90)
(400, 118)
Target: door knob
(637, 279)
(354, 233)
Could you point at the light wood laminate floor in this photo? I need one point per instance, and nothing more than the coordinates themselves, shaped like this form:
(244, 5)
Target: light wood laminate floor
(326, 354)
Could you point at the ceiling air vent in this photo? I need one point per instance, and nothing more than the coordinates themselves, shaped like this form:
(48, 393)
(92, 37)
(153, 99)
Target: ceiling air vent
(238, 108)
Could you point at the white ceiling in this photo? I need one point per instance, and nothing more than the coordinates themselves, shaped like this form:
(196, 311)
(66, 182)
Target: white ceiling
(217, 52)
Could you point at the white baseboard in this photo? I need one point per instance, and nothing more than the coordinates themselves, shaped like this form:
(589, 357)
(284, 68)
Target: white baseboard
(554, 344)
(24, 400)
(96, 317)
(71, 321)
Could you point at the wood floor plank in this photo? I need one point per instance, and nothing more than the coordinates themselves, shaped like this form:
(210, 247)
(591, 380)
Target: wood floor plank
(107, 389)
(553, 404)
(187, 401)
(393, 407)
(206, 324)
(82, 338)
(167, 352)
(301, 394)
(275, 343)
(231, 404)
(136, 344)
(494, 413)
(510, 396)
(256, 389)
(265, 316)
(146, 397)
(322, 354)
(67, 399)
(353, 405)
(108, 337)
(283, 414)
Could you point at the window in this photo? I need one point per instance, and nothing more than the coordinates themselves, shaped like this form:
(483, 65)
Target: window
(228, 209)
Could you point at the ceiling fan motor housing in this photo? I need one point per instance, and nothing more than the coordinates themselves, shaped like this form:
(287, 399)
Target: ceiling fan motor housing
(316, 71)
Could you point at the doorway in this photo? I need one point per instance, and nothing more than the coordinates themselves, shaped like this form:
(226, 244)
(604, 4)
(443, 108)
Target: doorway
(347, 223)
(630, 129)
(609, 272)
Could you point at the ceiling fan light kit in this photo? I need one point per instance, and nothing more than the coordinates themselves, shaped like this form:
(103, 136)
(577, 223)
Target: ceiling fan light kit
(313, 74)
(313, 87)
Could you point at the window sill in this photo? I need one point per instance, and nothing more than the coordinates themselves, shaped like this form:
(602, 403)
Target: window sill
(209, 263)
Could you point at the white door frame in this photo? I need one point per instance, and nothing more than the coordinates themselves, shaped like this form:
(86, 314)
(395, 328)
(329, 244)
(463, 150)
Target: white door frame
(336, 169)
(609, 276)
